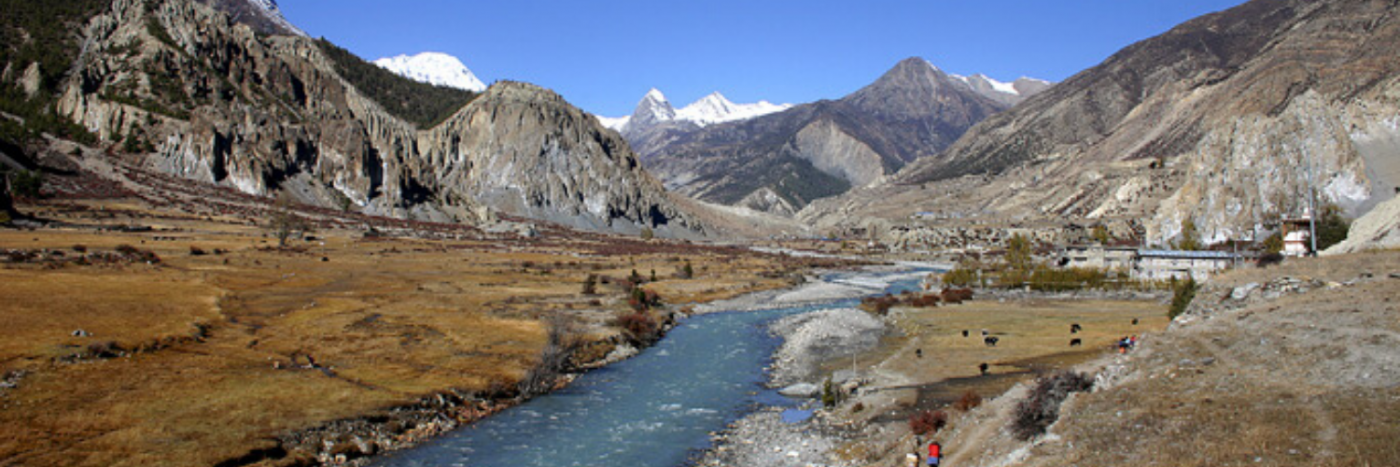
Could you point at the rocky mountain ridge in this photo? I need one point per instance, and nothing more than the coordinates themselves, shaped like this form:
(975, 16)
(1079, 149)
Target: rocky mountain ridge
(262, 15)
(654, 110)
(206, 99)
(1221, 121)
(779, 163)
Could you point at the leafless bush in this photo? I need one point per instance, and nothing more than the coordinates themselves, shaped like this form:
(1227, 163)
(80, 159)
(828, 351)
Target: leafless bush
(928, 422)
(1039, 410)
(640, 327)
(956, 296)
(968, 401)
(562, 341)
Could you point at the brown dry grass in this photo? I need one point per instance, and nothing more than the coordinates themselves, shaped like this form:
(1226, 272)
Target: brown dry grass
(1028, 330)
(389, 321)
(1303, 379)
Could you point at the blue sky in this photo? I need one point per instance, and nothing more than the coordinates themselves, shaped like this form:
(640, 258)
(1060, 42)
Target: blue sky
(604, 55)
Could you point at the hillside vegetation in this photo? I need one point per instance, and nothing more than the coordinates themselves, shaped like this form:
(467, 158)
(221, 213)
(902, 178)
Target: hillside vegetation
(43, 34)
(423, 104)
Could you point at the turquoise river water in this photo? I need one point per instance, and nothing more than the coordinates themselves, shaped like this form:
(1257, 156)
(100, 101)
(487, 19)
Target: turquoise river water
(656, 409)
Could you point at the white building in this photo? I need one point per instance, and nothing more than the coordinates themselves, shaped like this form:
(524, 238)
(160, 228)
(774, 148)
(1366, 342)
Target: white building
(1175, 264)
(1144, 264)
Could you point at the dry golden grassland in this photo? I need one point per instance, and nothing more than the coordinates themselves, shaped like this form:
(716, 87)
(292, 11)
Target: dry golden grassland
(1297, 372)
(1034, 337)
(216, 350)
(1028, 331)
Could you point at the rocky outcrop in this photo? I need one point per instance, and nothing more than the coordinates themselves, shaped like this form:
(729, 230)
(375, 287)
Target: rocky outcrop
(262, 15)
(821, 149)
(212, 100)
(1219, 120)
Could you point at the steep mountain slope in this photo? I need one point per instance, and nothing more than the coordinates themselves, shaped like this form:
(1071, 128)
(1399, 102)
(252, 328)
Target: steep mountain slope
(781, 162)
(655, 123)
(193, 95)
(1006, 93)
(1217, 120)
(434, 68)
(262, 15)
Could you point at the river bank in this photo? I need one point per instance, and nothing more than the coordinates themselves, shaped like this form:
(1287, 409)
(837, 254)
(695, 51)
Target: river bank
(923, 362)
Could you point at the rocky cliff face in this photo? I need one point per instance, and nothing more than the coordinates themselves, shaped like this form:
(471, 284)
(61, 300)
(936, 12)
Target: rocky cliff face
(783, 161)
(210, 100)
(1217, 120)
(262, 15)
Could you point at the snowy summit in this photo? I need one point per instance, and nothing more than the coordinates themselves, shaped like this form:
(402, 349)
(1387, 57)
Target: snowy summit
(433, 68)
(709, 110)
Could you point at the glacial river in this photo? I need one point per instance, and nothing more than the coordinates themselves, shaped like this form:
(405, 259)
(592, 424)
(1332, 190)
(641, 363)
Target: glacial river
(656, 409)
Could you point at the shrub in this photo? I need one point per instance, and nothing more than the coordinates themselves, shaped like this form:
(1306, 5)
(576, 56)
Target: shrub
(924, 300)
(961, 277)
(968, 401)
(1042, 407)
(1057, 280)
(106, 349)
(643, 299)
(1181, 297)
(1332, 227)
(590, 285)
(1273, 244)
(640, 327)
(27, 184)
(80, 248)
(928, 422)
(879, 305)
(687, 271)
(954, 296)
(562, 341)
(1269, 259)
(829, 396)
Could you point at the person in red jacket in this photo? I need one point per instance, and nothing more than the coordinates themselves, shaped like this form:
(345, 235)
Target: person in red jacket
(935, 453)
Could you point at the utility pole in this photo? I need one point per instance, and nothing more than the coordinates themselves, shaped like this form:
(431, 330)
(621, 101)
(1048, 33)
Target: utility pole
(1312, 207)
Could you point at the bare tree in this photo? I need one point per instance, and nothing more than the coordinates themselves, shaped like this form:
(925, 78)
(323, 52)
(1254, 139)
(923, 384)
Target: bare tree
(286, 224)
(7, 207)
(559, 346)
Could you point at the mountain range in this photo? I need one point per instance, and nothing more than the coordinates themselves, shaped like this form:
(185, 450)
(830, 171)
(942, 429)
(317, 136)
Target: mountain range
(654, 110)
(1225, 121)
(780, 162)
(191, 92)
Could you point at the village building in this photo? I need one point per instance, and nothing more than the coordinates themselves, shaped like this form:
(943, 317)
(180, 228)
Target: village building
(1147, 264)
(1297, 240)
(1098, 257)
(1176, 264)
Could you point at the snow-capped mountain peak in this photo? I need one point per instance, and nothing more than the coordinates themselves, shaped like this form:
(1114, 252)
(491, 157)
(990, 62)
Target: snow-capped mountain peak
(655, 95)
(653, 109)
(714, 108)
(1007, 93)
(433, 68)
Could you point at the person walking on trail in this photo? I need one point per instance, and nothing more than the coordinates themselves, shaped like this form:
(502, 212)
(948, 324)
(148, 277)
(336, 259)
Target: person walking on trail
(935, 453)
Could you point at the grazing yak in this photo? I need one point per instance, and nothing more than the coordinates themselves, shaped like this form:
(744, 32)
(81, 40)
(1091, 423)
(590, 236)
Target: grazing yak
(1075, 342)
(991, 341)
